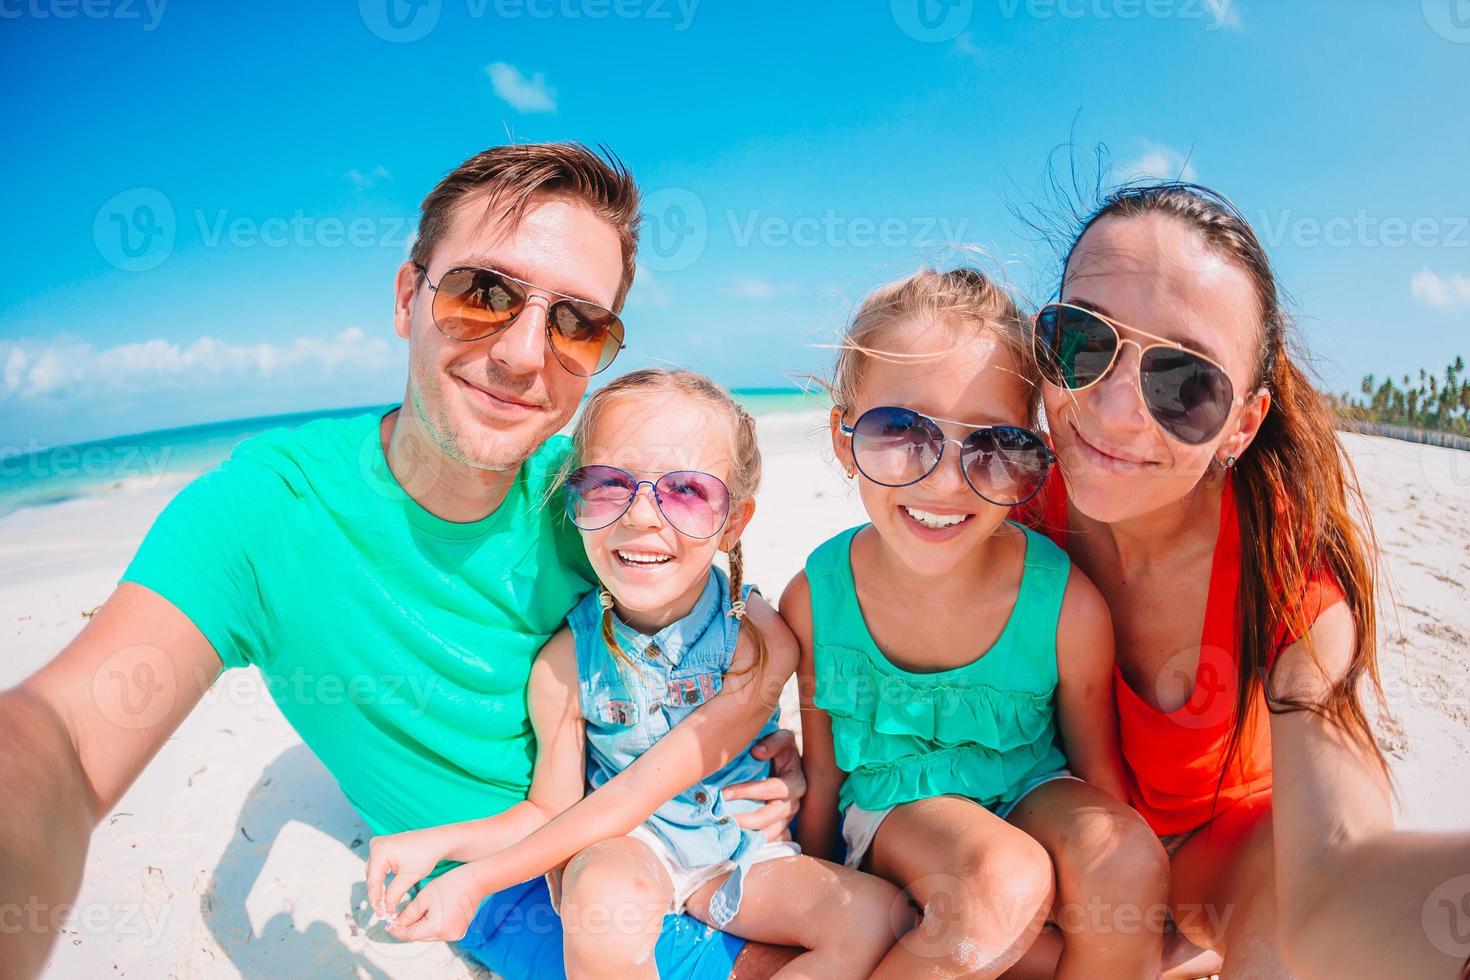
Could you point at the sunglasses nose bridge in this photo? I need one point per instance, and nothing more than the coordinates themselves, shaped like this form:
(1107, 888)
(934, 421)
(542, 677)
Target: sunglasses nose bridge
(940, 476)
(647, 516)
(520, 345)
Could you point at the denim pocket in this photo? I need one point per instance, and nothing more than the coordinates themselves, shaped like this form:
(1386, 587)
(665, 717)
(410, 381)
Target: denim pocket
(692, 690)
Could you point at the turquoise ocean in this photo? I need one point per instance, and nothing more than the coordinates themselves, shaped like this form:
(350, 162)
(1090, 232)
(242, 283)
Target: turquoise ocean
(60, 473)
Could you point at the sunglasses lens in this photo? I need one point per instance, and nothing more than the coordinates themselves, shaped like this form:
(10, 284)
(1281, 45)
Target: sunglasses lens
(474, 303)
(1074, 347)
(1189, 397)
(695, 503)
(585, 337)
(597, 495)
(894, 446)
(1006, 465)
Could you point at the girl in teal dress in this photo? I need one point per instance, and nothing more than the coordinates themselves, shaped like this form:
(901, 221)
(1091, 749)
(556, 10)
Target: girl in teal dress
(960, 734)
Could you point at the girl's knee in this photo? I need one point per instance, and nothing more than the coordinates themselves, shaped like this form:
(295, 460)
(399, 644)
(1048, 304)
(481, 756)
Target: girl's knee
(1012, 879)
(1114, 852)
(613, 887)
(610, 867)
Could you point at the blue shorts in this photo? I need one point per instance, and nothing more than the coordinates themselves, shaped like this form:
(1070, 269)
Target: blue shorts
(518, 935)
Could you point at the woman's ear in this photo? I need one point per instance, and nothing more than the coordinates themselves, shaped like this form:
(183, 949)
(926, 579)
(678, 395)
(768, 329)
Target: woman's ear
(740, 516)
(1251, 418)
(841, 444)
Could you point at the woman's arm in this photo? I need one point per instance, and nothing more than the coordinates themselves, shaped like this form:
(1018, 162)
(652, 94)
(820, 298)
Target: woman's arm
(818, 830)
(557, 783)
(1356, 897)
(1087, 713)
(701, 744)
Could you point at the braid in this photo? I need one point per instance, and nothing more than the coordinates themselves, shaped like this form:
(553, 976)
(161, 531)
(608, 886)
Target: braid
(737, 606)
(610, 636)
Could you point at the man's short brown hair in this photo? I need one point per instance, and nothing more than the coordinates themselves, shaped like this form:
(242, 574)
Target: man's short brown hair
(516, 176)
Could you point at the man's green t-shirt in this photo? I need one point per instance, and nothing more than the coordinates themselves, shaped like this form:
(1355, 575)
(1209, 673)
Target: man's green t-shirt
(397, 644)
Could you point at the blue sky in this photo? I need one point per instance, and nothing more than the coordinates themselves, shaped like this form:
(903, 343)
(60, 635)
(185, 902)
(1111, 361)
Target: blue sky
(205, 203)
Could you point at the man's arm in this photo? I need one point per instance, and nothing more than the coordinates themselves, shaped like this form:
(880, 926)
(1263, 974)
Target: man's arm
(74, 736)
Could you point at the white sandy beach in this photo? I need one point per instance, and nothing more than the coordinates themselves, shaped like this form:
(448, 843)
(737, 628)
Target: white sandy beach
(235, 855)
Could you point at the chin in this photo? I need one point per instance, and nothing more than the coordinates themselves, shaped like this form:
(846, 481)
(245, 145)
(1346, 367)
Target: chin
(496, 455)
(491, 446)
(1108, 498)
(648, 588)
(928, 559)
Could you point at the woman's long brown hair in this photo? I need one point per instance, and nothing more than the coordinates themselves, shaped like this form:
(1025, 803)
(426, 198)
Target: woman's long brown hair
(1300, 508)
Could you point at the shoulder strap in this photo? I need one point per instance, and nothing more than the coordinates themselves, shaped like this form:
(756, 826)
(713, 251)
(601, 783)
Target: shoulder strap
(1038, 607)
(835, 611)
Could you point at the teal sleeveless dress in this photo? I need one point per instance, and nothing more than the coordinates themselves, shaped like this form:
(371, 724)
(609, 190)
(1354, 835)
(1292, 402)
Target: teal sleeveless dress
(985, 730)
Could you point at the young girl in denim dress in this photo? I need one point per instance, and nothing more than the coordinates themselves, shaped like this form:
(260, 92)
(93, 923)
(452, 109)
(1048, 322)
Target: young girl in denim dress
(649, 703)
(956, 670)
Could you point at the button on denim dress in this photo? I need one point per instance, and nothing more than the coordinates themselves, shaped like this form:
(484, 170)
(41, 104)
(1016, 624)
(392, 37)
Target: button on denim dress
(679, 668)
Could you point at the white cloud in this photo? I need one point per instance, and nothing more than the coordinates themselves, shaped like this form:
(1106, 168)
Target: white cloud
(1156, 162)
(363, 180)
(524, 94)
(1224, 13)
(1449, 294)
(37, 369)
(754, 287)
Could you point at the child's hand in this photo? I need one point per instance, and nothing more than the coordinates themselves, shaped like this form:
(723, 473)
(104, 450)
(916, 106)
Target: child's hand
(409, 856)
(441, 911)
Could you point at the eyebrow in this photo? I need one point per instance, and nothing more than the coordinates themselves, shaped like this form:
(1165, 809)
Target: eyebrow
(500, 265)
(1191, 345)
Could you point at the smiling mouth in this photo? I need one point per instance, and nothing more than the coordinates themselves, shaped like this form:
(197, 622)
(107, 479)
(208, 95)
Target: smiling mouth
(937, 522)
(641, 559)
(503, 403)
(1125, 460)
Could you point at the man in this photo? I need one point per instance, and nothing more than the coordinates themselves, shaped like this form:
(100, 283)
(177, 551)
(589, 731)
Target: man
(407, 551)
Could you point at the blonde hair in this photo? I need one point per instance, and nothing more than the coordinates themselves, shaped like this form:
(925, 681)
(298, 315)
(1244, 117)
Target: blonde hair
(744, 476)
(964, 299)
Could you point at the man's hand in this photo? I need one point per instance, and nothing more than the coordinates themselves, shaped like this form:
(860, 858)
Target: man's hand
(782, 792)
(442, 910)
(409, 856)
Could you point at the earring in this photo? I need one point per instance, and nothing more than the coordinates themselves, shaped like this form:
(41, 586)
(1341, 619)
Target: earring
(1228, 462)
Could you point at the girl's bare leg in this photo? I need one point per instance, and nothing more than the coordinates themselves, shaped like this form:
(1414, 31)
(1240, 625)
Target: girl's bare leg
(613, 899)
(843, 920)
(984, 887)
(1112, 879)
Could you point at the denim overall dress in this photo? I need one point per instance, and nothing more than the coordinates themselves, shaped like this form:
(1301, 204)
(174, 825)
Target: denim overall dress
(679, 668)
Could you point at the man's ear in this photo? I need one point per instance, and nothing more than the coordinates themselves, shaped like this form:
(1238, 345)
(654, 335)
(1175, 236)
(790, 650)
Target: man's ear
(740, 516)
(1252, 416)
(841, 444)
(405, 285)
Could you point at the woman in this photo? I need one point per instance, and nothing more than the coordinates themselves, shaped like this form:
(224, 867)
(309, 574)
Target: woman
(1203, 489)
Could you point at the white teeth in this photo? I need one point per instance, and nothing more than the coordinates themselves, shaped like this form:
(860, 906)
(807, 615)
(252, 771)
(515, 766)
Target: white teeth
(935, 520)
(643, 557)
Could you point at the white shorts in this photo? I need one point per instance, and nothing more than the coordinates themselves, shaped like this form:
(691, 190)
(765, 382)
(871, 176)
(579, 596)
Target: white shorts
(686, 881)
(860, 826)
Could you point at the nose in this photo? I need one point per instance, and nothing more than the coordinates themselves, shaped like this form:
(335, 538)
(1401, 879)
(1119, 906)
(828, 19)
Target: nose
(1116, 400)
(521, 347)
(643, 512)
(947, 477)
